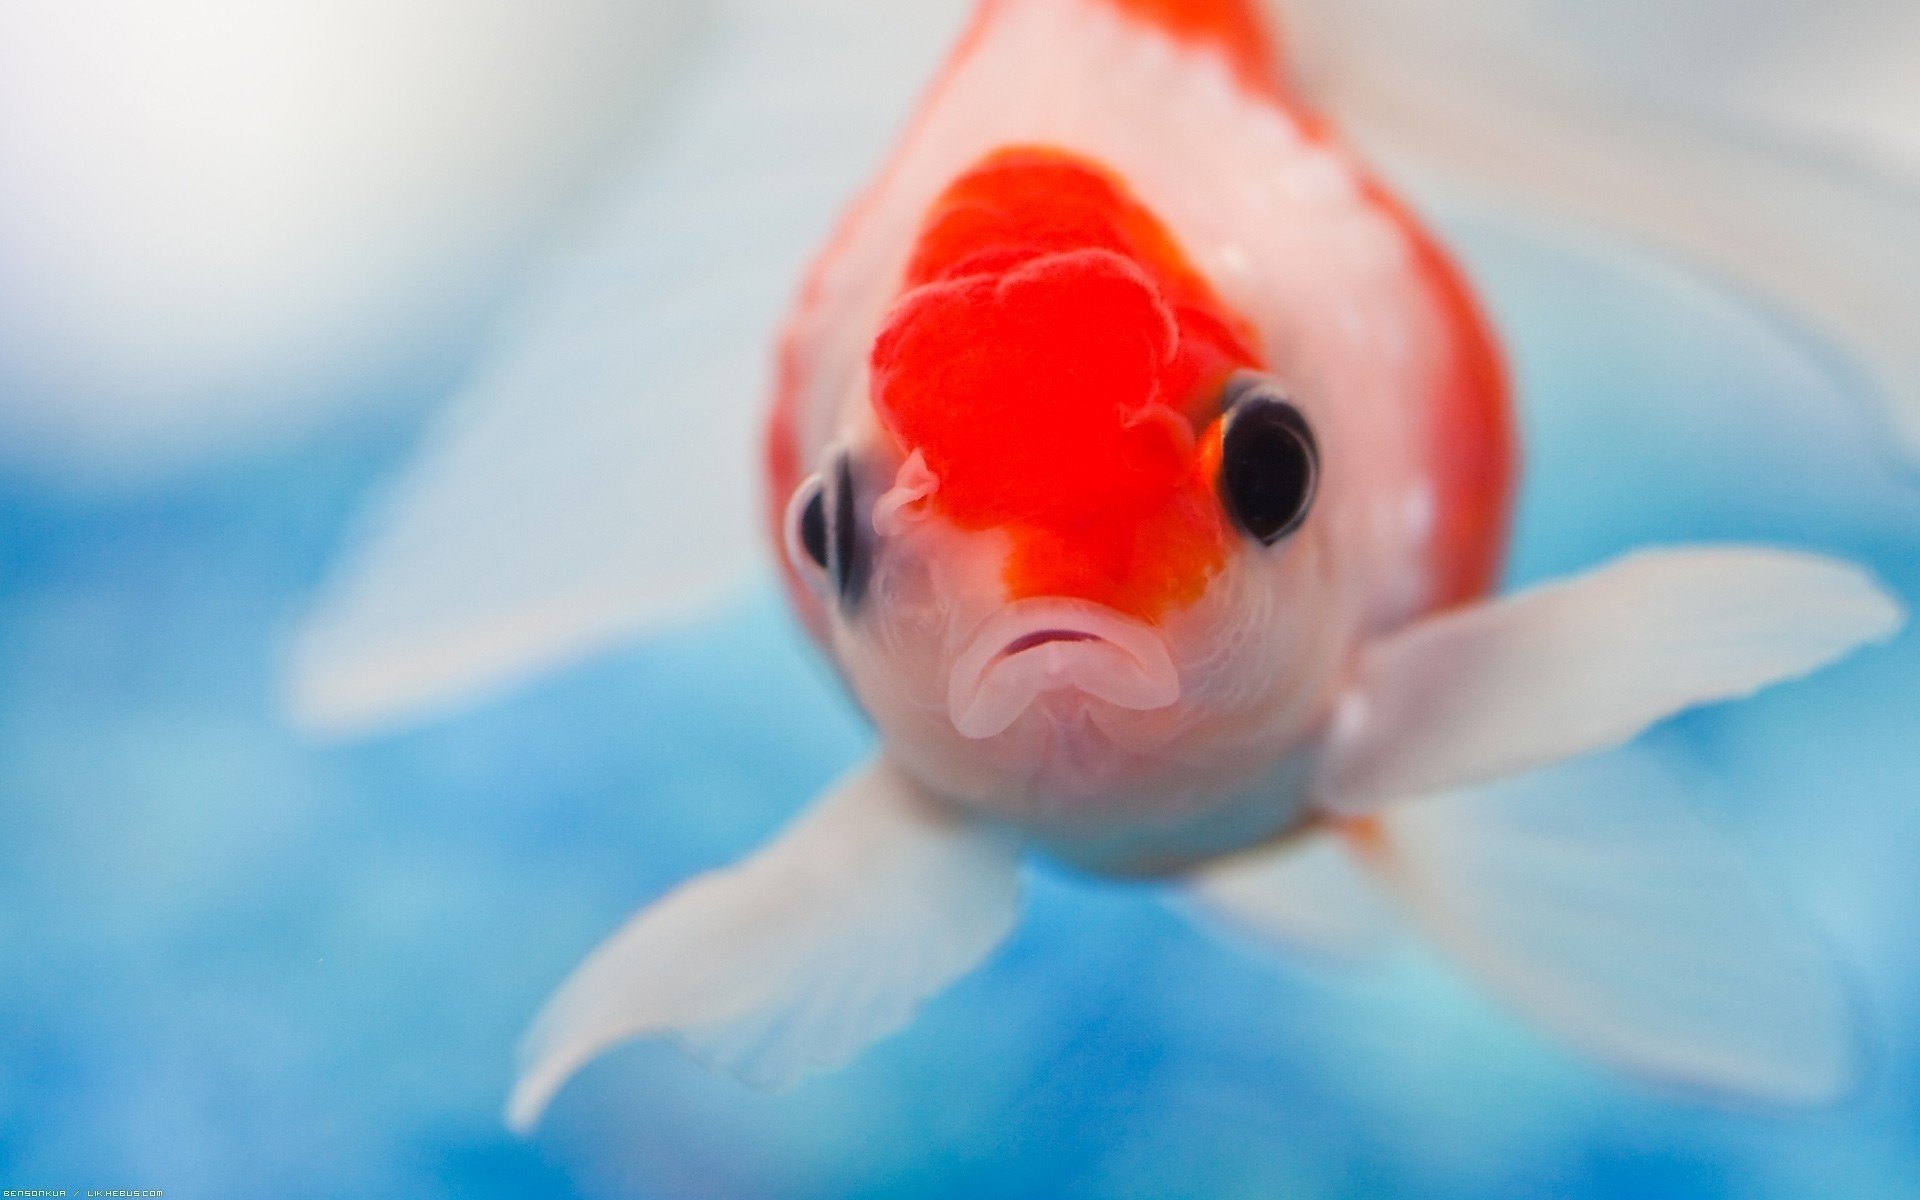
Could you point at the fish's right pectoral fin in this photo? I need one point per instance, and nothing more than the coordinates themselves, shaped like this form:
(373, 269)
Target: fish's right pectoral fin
(796, 959)
(1592, 900)
(1499, 688)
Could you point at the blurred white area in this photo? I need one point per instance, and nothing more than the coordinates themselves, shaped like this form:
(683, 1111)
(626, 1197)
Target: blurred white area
(1769, 144)
(1841, 73)
(223, 220)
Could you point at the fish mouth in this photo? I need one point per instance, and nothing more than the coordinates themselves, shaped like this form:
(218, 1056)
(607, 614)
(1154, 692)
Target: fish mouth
(1034, 648)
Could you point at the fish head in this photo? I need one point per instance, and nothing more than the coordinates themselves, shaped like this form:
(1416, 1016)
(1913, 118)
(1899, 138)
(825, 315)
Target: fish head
(1076, 558)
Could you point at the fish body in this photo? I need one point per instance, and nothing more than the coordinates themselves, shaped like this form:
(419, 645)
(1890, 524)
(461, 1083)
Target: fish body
(1035, 309)
(1144, 469)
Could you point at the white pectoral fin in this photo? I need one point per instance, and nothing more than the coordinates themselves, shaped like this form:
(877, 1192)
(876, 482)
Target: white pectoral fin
(1592, 900)
(1505, 686)
(795, 959)
(1305, 894)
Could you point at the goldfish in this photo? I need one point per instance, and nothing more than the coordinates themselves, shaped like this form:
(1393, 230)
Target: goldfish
(1143, 466)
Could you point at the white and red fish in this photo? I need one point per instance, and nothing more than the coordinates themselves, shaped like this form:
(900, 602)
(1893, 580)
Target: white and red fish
(1144, 468)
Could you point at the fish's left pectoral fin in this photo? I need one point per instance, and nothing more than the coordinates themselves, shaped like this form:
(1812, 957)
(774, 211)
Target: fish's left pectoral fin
(1594, 901)
(1505, 686)
(794, 960)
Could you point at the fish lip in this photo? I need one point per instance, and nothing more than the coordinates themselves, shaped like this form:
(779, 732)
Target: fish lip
(1034, 647)
(1044, 637)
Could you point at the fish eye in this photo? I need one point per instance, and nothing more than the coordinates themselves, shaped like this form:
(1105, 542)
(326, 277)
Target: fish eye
(846, 549)
(1269, 461)
(823, 528)
(809, 532)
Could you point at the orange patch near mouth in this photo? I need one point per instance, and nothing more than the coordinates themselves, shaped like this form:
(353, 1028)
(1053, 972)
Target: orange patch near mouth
(1051, 360)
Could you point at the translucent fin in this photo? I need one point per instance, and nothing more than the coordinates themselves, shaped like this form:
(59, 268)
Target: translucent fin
(1592, 900)
(1306, 894)
(1499, 688)
(1469, 98)
(601, 474)
(796, 959)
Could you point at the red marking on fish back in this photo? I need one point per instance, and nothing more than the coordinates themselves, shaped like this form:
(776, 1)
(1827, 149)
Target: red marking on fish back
(1051, 361)
(1236, 28)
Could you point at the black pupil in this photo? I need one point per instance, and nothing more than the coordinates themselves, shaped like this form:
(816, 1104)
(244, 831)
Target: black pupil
(813, 528)
(847, 551)
(831, 536)
(1268, 467)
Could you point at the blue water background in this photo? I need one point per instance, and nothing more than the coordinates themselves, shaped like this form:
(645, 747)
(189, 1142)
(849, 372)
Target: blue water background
(237, 964)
